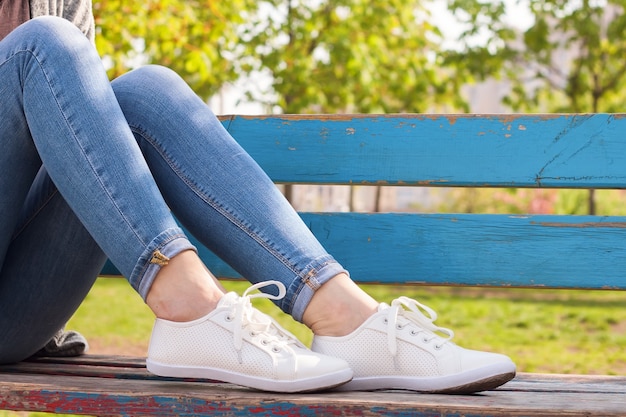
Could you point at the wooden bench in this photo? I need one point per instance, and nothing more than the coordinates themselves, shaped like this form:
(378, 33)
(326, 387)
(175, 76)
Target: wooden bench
(538, 151)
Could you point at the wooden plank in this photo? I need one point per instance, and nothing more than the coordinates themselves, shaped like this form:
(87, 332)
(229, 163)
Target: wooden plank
(95, 396)
(560, 383)
(470, 249)
(490, 250)
(126, 388)
(123, 367)
(100, 366)
(575, 150)
(98, 370)
(115, 361)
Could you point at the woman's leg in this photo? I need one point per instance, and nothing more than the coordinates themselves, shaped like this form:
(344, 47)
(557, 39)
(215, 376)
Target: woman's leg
(58, 108)
(50, 265)
(62, 111)
(65, 102)
(217, 191)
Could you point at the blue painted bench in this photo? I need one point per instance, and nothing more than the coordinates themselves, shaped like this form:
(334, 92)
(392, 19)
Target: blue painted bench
(502, 250)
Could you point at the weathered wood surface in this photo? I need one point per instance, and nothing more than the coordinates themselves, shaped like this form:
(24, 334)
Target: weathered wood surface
(453, 249)
(549, 150)
(120, 390)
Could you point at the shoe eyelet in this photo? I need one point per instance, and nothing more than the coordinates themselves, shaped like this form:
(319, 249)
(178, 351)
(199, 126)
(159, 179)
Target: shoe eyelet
(398, 327)
(385, 320)
(438, 347)
(414, 333)
(229, 318)
(252, 334)
(425, 340)
(275, 349)
(264, 342)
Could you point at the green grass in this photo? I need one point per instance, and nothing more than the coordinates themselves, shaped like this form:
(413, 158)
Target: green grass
(542, 330)
(553, 331)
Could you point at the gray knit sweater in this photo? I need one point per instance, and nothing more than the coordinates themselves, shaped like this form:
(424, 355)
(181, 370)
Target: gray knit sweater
(78, 12)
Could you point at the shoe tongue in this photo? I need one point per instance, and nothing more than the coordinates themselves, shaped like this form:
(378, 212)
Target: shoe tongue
(382, 307)
(228, 300)
(400, 319)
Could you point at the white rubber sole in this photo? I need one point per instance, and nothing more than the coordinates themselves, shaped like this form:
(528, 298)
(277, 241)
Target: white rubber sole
(474, 380)
(318, 383)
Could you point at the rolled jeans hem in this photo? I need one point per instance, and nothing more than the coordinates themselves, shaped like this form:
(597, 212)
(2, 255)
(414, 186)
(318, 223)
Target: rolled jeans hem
(310, 284)
(167, 245)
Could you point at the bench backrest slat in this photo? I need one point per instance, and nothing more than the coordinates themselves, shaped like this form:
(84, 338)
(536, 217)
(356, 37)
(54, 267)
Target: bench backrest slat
(471, 249)
(568, 151)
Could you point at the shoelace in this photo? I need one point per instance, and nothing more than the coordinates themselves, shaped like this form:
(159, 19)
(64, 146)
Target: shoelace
(246, 316)
(398, 317)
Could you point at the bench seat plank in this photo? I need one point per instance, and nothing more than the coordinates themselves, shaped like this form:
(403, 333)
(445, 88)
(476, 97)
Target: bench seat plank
(121, 390)
(131, 367)
(487, 250)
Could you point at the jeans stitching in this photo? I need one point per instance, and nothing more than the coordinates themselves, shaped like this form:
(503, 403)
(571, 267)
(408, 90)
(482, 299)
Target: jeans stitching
(142, 272)
(214, 204)
(79, 146)
(30, 218)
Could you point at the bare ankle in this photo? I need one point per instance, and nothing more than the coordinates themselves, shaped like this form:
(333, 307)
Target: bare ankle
(184, 290)
(338, 308)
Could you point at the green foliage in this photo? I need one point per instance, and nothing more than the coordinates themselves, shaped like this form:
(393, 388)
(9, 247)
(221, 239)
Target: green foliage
(375, 56)
(592, 32)
(321, 56)
(349, 56)
(193, 37)
(569, 60)
(527, 201)
(485, 41)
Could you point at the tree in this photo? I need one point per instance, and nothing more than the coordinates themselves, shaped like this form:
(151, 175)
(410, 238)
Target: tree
(321, 55)
(198, 39)
(571, 59)
(592, 34)
(329, 56)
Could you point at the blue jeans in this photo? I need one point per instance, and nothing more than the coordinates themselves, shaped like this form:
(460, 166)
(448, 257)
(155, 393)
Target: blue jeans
(92, 169)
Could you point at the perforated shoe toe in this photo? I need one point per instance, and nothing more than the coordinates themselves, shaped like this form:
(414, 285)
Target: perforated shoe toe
(238, 344)
(399, 347)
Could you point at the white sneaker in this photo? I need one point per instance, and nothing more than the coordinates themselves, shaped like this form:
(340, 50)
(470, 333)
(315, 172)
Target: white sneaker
(402, 349)
(236, 343)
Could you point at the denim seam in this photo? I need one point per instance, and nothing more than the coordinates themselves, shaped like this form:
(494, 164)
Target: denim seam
(73, 135)
(305, 291)
(214, 204)
(30, 218)
(138, 277)
(305, 280)
(142, 271)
